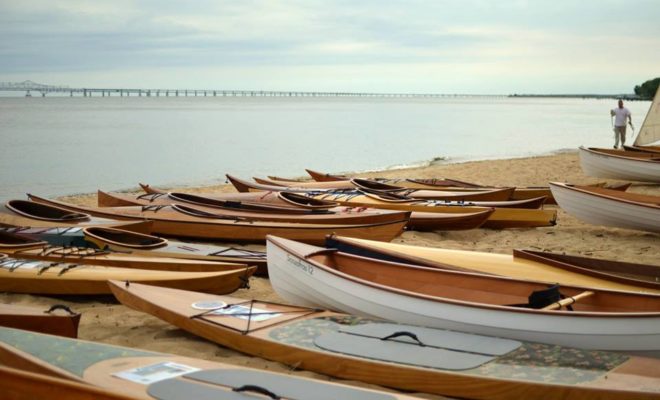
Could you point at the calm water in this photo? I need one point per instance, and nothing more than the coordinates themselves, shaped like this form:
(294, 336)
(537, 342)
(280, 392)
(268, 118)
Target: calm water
(55, 146)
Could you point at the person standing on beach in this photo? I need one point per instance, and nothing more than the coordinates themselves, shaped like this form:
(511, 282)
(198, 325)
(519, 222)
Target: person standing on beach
(620, 115)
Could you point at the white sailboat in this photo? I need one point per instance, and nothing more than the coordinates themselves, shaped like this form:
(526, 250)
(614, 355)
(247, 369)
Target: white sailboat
(639, 162)
(648, 138)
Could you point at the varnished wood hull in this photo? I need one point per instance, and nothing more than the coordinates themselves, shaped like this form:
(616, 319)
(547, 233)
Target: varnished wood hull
(39, 320)
(427, 221)
(521, 193)
(171, 223)
(523, 264)
(469, 218)
(34, 249)
(12, 220)
(58, 368)
(502, 217)
(337, 216)
(462, 301)
(141, 245)
(289, 338)
(17, 384)
(41, 277)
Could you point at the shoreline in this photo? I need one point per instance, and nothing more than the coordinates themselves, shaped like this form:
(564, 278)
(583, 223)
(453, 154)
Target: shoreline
(386, 172)
(106, 321)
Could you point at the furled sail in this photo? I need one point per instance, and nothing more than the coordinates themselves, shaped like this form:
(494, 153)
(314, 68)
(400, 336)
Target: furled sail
(650, 131)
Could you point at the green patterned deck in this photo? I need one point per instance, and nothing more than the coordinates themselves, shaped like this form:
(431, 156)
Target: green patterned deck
(532, 361)
(70, 355)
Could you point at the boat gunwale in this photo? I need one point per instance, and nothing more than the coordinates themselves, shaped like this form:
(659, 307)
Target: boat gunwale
(583, 190)
(502, 308)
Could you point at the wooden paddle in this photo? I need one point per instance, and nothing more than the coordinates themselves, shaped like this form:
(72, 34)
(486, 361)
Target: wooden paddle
(568, 301)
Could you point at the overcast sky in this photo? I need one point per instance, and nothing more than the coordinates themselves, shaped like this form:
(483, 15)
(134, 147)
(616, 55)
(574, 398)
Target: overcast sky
(467, 46)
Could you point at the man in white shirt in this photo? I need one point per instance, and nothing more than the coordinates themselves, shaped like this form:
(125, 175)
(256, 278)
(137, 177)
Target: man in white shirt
(620, 115)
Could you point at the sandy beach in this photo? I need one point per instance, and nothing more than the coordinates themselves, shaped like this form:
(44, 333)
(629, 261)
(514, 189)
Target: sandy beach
(106, 321)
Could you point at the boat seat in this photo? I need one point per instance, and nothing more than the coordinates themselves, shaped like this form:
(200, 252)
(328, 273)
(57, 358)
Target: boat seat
(214, 384)
(423, 347)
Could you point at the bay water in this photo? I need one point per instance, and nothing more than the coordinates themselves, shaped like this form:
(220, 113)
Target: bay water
(54, 146)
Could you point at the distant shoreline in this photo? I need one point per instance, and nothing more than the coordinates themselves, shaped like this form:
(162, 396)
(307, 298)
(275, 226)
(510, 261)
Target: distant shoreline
(629, 97)
(202, 93)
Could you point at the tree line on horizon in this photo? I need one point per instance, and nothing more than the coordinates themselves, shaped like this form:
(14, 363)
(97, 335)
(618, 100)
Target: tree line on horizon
(647, 90)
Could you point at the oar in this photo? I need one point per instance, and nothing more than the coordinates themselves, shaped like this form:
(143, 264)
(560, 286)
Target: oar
(568, 301)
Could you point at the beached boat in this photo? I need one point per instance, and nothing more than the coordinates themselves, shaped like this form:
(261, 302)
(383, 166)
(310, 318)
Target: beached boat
(470, 218)
(24, 213)
(494, 194)
(256, 212)
(483, 194)
(160, 197)
(464, 301)
(17, 384)
(648, 138)
(609, 207)
(501, 218)
(400, 356)
(56, 320)
(531, 203)
(142, 374)
(522, 264)
(437, 182)
(34, 249)
(282, 199)
(127, 242)
(185, 221)
(520, 193)
(620, 164)
(18, 275)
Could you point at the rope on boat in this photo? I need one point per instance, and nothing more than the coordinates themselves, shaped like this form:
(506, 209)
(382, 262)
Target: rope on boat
(150, 196)
(303, 312)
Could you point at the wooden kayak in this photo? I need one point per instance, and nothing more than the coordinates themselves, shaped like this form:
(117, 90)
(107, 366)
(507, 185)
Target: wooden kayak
(283, 199)
(56, 320)
(523, 264)
(520, 193)
(211, 206)
(531, 203)
(34, 249)
(17, 384)
(138, 244)
(175, 221)
(352, 347)
(426, 182)
(121, 200)
(19, 275)
(486, 194)
(495, 194)
(142, 374)
(500, 219)
(609, 207)
(464, 301)
(420, 221)
(30, 218)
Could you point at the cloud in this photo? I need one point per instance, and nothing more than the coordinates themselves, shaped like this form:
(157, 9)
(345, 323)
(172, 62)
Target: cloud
(398, 44)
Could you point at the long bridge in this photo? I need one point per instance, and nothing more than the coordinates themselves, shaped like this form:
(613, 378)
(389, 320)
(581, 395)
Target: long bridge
(30, 87)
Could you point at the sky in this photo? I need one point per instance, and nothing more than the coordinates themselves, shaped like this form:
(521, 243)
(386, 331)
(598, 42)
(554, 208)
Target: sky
(381, 46)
